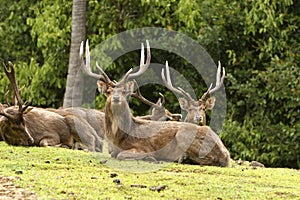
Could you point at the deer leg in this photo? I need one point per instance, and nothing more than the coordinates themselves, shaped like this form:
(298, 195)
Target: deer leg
(185, 140)
(50, 141)
(133, 155)
(113, 150)
(79, 146)
(98, 142)
(182, 158)
(83, 133)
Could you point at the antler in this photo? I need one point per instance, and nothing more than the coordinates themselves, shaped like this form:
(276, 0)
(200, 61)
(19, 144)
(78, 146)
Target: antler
(143, 66)
(5, 114)
(167, 80)
(219, 83)
(11, 76)
(87, 64)
(139, 96)
(129, 74)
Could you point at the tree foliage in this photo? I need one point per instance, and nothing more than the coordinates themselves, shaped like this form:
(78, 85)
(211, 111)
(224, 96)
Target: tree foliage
(257, 42)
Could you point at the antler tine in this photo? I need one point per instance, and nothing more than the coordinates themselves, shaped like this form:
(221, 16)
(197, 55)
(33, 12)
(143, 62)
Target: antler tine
(219, 83)
(163, 99)
(104, 75)
(143, 66)
(139, 96)
(187, 95)
(167, 80)
(86, 65)
(6, 95)
(11, 76)
(7, 115)
(204, 96)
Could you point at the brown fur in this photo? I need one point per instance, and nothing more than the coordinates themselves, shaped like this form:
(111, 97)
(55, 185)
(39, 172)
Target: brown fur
(142, 139)
(138, 139)
(46, 128)
(87, 124)
(50, 131)
(94, 117)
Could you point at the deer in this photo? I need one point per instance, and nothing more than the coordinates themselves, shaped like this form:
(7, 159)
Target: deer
(138, 139)
(196, 109)
(24, 125)
(88, 134)
(158, 111)
(94, 117)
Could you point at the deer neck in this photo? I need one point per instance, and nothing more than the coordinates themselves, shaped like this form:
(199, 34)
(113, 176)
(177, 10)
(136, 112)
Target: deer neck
(118, 119)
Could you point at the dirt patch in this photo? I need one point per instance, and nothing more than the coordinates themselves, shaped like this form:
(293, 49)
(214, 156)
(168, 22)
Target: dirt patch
(9, 191)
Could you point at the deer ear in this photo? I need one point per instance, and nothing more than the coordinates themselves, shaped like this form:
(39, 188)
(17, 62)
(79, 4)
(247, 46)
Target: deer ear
(27, 110)
(176, 117)
(210, 103)
(130, 87)
(102, 87)
(184, 104)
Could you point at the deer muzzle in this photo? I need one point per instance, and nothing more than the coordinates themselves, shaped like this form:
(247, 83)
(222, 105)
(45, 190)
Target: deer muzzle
(198, 118)
(30, 139)
(116, 98)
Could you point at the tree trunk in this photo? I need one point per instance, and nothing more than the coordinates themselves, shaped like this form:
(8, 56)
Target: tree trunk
(74, 90)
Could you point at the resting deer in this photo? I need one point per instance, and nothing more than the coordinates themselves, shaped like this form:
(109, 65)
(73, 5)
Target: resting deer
(94, 117)
(28, 126)
(158, 140)
(196, 109)
(87, 136)
(158, 112)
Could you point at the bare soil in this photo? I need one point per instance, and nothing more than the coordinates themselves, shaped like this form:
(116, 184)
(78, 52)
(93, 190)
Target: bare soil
(9, 191)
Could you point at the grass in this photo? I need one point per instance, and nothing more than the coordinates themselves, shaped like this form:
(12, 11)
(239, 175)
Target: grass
(56, 173)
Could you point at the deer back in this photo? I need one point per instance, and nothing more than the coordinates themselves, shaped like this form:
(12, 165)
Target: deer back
(48, 128)
(83, 132)
(95, 118)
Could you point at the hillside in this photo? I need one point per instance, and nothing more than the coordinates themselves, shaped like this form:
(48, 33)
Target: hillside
(56, 173)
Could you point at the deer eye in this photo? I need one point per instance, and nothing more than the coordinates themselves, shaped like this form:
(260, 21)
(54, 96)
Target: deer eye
(108, 92)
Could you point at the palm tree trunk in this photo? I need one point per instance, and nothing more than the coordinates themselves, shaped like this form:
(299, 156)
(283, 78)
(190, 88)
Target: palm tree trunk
(74, 90)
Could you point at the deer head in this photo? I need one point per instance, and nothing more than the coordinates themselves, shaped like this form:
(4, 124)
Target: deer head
(196, 109)
(15, 131)
(158, 112)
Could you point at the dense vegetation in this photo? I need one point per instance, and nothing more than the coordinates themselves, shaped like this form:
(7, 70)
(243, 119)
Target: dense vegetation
(257, 42)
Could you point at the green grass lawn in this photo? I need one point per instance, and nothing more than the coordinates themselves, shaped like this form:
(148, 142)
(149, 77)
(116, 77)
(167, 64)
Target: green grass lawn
(57, 173)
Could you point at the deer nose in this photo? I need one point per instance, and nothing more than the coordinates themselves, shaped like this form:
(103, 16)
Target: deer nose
(199, 117)
(116, 97)
(30, 141)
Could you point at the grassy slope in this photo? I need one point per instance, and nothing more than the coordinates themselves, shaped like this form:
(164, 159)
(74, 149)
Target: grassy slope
(54, 173)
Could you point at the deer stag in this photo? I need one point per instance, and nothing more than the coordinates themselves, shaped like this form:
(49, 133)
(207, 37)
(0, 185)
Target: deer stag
(135, 138)
(29, 126)
(196, 109)
(158, 112)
